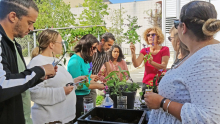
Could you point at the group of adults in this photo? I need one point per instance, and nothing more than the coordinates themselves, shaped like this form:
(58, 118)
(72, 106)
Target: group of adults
(41, 81)
(188, 93)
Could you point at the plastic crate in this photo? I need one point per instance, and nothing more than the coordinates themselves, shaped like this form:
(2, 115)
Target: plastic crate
(112, 116)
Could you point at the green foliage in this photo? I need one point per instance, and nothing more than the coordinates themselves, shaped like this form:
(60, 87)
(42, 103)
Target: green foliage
(99, 100)
(84, 83)
(76, 34)
(133, 87)
(25, 52)
(147, 57)
(131, 33)
(24, 44)
(53, 13)
(93, 13)
(117, 22)
(141, 94)
(118, 86)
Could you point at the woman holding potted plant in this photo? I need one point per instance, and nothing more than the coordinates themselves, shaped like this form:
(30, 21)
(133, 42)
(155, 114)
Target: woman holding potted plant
(115, 60)
(80, 64)
(158, 55)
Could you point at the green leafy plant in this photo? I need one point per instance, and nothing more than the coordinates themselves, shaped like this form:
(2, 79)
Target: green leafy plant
(85, 82)
(93, 13)
(99, 99)
(157, 78)
(117, 86)
(117, 25)
(131, 33)
(54, 14)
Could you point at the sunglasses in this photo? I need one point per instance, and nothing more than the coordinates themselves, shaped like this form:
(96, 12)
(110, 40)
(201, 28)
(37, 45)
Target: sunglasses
(94, 48)
(170, 38)
(176, 23)
(148, 35)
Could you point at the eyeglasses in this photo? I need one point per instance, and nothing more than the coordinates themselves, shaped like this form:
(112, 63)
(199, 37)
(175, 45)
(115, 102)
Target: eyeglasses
(176, 23)
(170, 38)
(148, 35)
(59, 42)
(64, 52)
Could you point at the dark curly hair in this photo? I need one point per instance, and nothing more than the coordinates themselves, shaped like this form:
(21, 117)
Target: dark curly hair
(84, 47)
(121, 55)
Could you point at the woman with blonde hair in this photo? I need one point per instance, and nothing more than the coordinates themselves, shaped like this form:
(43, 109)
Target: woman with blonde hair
(159, 55)
(189, 93)
(54, 102)
(181, 49)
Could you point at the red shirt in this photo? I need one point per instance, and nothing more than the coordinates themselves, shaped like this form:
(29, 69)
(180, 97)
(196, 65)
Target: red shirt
(150, 71)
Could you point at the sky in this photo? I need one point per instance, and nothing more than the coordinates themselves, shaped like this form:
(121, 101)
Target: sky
(124, 1)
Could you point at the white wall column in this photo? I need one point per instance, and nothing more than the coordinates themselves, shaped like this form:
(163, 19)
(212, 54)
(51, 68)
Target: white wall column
(164, 19)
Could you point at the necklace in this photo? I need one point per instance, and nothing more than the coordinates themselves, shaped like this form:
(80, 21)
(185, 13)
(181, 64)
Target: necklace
(175, 66)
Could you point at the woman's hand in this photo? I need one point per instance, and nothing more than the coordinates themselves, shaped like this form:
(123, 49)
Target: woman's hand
(95, 77)
(68, 89)
(101, 86)
(151, 59)
(152, 100)
(132, 47)
(80, 78)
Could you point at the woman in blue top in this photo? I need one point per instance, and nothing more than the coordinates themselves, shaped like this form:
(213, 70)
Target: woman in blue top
(79, 65)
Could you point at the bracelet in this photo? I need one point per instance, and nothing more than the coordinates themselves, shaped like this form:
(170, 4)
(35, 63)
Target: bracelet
(162, 102)
(168, 106)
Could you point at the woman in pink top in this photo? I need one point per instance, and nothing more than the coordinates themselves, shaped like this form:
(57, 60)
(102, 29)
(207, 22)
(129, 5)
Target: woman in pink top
(116, 59)
(159, 55)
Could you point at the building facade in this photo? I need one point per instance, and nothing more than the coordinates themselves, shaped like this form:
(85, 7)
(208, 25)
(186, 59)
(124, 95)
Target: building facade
(171, 10)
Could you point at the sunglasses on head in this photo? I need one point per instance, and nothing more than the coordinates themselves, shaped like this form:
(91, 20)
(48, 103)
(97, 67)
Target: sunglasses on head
(170, 38)
(176, 23)
(148, 35)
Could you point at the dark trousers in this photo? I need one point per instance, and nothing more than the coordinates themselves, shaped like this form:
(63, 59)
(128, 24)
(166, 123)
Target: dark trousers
(144, 86)
(79, 106)
(93, 94)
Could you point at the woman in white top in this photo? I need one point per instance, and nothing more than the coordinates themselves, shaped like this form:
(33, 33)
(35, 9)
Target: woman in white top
(54, 102)
(192, 88)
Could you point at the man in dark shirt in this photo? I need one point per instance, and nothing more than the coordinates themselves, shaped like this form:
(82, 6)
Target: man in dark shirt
(100, 58)
(16, 20)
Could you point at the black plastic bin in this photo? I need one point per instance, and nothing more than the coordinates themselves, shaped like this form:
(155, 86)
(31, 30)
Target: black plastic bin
(112, 116)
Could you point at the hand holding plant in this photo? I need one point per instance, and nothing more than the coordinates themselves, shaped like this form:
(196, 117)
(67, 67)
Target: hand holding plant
(86, 83)
(148, 54)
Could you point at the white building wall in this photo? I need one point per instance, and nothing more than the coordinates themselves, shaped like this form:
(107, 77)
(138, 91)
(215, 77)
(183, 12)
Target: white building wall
(171, 7)
(133, 9)
(216, 3)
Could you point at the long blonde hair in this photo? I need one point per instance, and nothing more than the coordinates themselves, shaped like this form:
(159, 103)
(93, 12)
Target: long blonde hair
(183, 49)
(44, 39)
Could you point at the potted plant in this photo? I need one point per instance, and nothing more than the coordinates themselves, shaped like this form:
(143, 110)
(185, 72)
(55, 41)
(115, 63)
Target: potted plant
(151, 88)
(120, 88)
